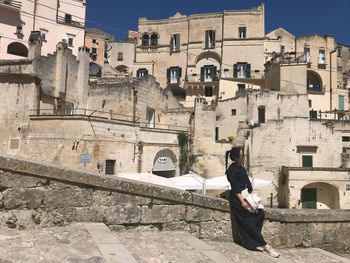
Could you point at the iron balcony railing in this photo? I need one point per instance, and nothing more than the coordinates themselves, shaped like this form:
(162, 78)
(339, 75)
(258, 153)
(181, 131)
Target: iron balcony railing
(11, 3)
(70, 22)
(108, 115)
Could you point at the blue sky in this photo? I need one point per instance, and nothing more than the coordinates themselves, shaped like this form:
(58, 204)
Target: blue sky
(300, 17)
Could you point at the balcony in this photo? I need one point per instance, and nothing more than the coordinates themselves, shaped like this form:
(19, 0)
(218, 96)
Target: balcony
(10, 4)
(69, 21)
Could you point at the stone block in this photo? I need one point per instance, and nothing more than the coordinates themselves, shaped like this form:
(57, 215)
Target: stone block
(9, 180)
(216, 230)
(194, 213)
(163, 213)
(128, 214)
(71, 196)
(15, 198)
(108, 198)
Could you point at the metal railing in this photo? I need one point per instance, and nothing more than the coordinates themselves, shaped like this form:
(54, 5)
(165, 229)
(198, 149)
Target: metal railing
(70, 22)
(163, 126)
(108, 115)
(11, 3)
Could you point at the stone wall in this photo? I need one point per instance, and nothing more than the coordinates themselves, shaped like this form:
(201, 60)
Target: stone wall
(38, 195)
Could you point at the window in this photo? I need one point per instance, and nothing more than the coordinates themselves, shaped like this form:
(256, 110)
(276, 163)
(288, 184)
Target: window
(44, 33)
(341, 102)
(110, 164)
(208, 91)
(307, 161)
(216, 133)
(209, 38)
(242, 31)
(241, 88)
(313, 115)
(339, 52)
(307, 55)
(93, 53)
(19, 30)
(322, 56)
(120, 56)
(346, 138)
(70, 40)
(310, 103)
(233, 112)
(261, 114)
(241, 70)
(175, 43)
(142, 72)
(348, 187)
(68, 18)
(145, 40)
(174, 75)
(150, 117)
(208, 73)
(94, 41)
(282, 51)
(154, 40)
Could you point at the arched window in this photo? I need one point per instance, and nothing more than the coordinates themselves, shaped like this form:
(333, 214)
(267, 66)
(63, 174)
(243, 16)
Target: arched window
(145, 40)
(18, 49)
(154, 40)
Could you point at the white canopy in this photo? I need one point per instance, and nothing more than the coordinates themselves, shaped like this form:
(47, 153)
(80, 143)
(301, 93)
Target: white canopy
(149, 178)
(193, 181)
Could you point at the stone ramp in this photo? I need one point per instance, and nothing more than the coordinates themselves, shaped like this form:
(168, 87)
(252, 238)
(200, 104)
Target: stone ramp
(95, 243)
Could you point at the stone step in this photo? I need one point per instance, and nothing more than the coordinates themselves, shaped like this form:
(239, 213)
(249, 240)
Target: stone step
(162, 246)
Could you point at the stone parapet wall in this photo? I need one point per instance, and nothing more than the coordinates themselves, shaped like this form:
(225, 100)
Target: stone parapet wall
(34, 194)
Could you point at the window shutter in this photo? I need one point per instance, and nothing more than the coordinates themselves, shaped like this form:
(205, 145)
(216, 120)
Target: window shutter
(213, 39)
(179, 71)
(206, 38)
(202, 73)
(138, 73)
(146, 71)
(177, 42)
(168, 75)
(235, 70)
(171, 43)
(214, 73)
(248, 68)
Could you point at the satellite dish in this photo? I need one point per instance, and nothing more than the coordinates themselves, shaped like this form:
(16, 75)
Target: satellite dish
(94, 70)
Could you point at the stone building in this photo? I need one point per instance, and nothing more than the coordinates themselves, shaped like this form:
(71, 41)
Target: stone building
(106, 125)
(56, 20)
(191, 53)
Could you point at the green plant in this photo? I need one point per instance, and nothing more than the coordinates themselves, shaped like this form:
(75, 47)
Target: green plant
(183, 142)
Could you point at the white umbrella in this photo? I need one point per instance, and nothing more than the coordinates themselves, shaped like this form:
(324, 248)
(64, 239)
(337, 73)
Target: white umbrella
(149, 178)
(190, 181)
(221, 182)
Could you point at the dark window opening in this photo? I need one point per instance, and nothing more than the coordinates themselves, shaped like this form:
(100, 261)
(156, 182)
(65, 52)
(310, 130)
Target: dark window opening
(216, 133)
(307, 161)
(209, 73)
(142, 72)
(346, 138)
(110, 164)
(68, 18)
(242, 32)
(209, 38)
(175, 43)
(208, 91)
(241, 70)
(17, 49)
(261, 114)
(233, 111)
(154, 40)
(145, 40)
(313, 114)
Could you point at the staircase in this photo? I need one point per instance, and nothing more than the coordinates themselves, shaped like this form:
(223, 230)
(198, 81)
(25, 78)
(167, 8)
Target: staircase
(94, 242)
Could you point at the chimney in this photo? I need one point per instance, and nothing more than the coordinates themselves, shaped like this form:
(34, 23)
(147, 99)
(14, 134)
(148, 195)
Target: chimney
(35, 44)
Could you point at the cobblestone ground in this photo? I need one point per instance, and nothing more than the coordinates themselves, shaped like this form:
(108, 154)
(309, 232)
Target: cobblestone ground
(95, 243)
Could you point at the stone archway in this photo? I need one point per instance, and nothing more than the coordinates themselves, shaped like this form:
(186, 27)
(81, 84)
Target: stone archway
(314, 81)
(164, 163)
(320, 196)
(18, 49)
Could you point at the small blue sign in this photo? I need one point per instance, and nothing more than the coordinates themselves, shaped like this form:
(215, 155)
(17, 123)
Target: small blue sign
(85, 158)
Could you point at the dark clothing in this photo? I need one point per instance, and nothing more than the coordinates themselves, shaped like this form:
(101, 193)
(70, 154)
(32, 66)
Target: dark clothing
(249, 224)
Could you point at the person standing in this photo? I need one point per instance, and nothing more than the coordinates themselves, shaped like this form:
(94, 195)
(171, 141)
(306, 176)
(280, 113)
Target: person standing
(249, 225)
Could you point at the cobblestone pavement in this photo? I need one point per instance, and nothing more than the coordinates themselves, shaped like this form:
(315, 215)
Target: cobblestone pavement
(95, 243)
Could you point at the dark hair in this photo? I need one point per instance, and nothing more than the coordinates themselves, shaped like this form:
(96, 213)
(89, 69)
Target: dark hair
(234, 154)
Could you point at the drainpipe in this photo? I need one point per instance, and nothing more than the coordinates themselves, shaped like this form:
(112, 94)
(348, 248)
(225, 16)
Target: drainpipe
(330, 79)
(34, 14)
(134, 101)
(38, 88)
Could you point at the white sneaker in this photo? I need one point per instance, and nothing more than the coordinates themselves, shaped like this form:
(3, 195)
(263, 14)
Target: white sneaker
(271, 252)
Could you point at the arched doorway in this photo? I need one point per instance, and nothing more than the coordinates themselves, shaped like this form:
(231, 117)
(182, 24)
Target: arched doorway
(18, 49)
(314, 81)
(164, 163)
(319, 196)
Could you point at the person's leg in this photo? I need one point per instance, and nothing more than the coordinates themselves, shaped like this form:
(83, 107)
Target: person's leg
(260, 219)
